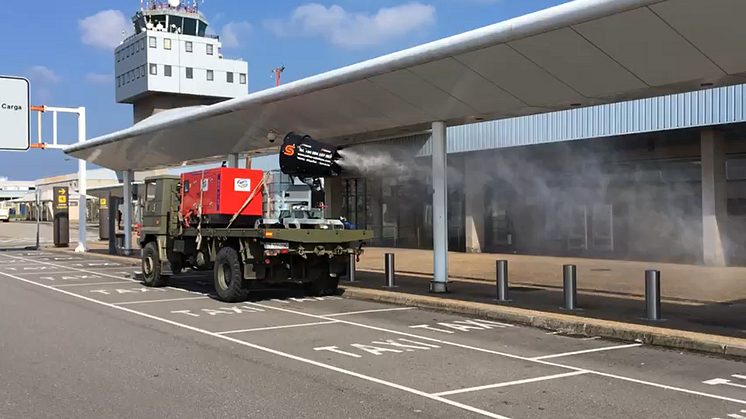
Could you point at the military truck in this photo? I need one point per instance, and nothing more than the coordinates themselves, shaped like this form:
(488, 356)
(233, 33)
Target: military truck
(244, 252)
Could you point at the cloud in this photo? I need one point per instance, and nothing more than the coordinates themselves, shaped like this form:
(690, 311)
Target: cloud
(355, 30)
(233, 32)
(95, 78)
(104, 29)
(42, 75)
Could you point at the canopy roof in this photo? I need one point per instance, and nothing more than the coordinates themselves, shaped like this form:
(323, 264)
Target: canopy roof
(581, 53)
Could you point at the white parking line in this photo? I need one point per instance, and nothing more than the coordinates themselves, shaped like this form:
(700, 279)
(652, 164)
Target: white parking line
(507, 355)
(259, 329)
(510, 383)
(49, 272)
(89, 271)
(166, 300)
(82, 284)
(369, 311)
(273, 351)
(458, 345)
(587, 351)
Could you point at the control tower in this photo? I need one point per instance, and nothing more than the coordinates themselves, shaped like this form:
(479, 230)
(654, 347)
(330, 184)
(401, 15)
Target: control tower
(171, 62)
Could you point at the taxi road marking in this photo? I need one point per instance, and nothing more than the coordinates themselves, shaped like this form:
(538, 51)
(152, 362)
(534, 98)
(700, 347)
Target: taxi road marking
(507, 355)
(272, 351)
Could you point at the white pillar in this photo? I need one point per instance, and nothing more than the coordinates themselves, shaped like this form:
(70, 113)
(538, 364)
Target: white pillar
(714, 198)
(127, 213)
(232, 160)
(440, 209)
(82, 187)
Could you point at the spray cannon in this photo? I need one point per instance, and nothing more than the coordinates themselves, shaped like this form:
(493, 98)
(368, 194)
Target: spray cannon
(309, 160)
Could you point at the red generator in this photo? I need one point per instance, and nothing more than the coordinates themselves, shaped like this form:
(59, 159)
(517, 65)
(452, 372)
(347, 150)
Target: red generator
(222, 193)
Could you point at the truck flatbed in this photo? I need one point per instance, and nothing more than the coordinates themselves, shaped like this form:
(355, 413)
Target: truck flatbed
(281, 234)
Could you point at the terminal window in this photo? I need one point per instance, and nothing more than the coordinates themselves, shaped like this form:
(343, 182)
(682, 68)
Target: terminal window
(153, 69)
(210, 75)
(166, 43)
(229, 77)
(188, 45)
(209, 49)
(167, 70)
(189, 73)
(152, 42)
(242, 78)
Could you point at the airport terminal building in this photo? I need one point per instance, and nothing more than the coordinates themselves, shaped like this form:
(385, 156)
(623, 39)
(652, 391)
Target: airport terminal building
(660, 179)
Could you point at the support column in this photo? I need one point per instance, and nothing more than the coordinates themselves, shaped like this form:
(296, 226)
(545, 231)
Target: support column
(232, 160)
(333, 197)
(127, 213)
(714, 198)
(474, 208)
(82, 188)
(440, 209)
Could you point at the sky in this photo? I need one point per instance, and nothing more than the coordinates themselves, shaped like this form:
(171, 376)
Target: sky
(65, 49)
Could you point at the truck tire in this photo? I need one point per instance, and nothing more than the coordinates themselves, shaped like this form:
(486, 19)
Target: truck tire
(151, 266)
(228, 276)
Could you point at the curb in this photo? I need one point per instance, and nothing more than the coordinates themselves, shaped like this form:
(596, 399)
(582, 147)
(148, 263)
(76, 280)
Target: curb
(584, 326)
(670, 338)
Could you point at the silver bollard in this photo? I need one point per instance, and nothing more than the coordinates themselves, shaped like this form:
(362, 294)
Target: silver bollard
(570, 283)
(653, 294)
(502, 280)
(390, 273)
(351, 268)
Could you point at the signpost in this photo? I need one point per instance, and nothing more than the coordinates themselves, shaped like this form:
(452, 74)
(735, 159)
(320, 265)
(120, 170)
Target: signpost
(61, 217)
(14, 114)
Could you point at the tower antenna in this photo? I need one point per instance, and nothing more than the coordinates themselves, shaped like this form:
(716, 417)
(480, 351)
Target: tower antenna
(277, 71)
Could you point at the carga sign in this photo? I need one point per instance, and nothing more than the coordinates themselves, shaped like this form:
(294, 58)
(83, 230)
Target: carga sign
(14, 114)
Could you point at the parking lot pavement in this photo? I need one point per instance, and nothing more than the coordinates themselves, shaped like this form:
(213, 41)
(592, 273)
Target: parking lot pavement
(399, 360)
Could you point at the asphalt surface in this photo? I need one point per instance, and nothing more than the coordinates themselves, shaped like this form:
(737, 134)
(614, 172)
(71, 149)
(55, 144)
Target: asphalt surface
(19, 235)
(81, 337)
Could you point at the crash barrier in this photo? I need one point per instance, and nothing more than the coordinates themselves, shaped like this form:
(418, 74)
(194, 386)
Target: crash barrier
(502, 280)
(570, 286)
(389, 268)
(653, 294)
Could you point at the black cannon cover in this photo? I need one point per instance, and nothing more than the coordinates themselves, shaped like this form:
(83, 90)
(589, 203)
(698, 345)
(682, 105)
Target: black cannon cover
(304, 157)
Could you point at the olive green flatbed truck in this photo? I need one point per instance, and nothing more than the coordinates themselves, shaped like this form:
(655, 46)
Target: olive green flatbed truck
(309, 251)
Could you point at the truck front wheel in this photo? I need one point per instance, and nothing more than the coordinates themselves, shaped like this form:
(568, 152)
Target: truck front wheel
(228, 276)
(151, 266)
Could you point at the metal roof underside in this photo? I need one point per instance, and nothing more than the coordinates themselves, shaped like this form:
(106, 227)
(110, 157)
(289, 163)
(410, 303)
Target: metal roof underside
(585, 52)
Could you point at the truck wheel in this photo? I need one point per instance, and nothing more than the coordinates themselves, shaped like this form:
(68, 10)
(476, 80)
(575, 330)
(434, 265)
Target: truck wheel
(151, 266)
(229, 276)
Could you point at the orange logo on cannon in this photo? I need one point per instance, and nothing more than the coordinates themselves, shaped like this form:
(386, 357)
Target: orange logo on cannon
(289, 150)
